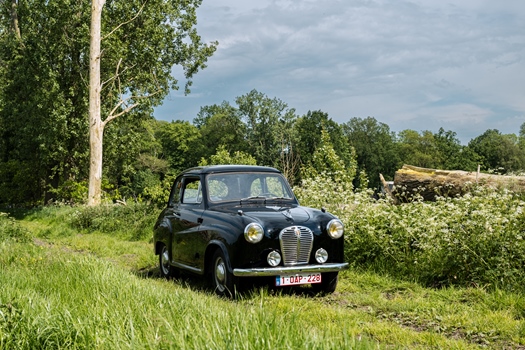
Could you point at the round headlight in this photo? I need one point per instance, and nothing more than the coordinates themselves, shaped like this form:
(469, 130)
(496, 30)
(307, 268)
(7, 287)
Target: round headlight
(335, 228)
(321, 256)
(274, 258)
(253, 232)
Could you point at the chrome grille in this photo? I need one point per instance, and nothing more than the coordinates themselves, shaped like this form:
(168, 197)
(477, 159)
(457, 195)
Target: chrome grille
(296, 245)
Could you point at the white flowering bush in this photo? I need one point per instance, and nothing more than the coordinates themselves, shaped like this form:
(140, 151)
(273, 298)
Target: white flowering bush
(476, 239)
(473, 240)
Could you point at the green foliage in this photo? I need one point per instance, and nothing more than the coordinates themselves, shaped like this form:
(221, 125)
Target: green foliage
(10, 230)
(375, 147)
(328, 187)
(472, 240)
(418, 149)
(43, 89)
(45, 101)
(178, 140)
(220, 125)
(75, 192)
(268, 126)
(133, 221)
(498, 152)
(327, 163)
(222, 156)
(308, 137)
(89, 291)
(452, 155)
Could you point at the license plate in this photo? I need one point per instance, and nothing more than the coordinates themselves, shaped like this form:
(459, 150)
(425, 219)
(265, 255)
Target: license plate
(299, 278)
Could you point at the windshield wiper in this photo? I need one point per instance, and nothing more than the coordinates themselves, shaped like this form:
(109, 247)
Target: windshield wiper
(279, 198)
(253, 198)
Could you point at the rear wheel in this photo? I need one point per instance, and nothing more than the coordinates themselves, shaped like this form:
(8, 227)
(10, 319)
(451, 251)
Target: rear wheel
(328, 283)
(166, 270)
(222, 280)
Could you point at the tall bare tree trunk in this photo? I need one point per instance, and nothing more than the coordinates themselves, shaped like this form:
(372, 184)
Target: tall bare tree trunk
(96, 126)
(14, 19)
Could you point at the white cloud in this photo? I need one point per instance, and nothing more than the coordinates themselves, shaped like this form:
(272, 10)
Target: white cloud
(413, 63)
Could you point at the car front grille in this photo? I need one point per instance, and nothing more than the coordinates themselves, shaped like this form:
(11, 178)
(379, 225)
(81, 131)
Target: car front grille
(296, 245)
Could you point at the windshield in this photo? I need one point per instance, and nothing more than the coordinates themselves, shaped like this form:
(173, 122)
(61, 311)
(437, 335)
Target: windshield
(247, 186)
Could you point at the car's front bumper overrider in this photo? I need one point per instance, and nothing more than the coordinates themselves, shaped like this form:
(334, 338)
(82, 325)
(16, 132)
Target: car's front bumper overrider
(289, 270)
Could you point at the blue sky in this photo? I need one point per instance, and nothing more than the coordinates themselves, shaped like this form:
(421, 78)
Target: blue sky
(419, 64)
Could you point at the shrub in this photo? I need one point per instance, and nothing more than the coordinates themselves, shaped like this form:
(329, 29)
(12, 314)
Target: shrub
(10, 230)
(476, 239)
(133, 221)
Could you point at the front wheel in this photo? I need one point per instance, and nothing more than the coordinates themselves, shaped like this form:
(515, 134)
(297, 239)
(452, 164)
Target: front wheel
(166, 269)
(328, 283)
(222, 280)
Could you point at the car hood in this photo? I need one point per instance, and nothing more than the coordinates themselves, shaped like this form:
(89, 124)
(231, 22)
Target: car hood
(273, 215)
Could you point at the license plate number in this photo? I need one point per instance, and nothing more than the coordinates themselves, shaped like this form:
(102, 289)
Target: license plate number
(299, 278)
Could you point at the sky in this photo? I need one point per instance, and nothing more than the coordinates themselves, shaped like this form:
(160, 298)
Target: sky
(410, 64)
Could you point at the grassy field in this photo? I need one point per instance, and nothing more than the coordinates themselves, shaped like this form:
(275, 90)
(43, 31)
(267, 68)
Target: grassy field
(71, 279)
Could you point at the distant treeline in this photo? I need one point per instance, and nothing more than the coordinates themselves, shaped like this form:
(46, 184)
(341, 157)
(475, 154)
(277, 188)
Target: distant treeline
(42, 160)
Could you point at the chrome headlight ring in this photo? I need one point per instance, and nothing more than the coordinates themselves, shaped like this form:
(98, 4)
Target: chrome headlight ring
(335, 228)
(253, 232)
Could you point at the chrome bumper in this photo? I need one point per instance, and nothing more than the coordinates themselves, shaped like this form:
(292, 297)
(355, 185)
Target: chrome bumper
(287, 270)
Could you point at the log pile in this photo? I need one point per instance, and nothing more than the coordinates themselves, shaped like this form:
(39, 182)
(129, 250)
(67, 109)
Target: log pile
(431, 182)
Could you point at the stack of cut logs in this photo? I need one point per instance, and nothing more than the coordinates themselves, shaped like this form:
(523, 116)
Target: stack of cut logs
(431, 182)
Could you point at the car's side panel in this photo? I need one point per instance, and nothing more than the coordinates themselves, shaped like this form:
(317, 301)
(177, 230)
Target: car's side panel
(187, 240)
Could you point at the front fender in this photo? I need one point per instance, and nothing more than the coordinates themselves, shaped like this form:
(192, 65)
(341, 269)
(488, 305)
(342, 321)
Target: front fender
(211, 248)
(162, 234)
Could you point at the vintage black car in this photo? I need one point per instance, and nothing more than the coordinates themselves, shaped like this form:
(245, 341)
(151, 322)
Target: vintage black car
(230, 222)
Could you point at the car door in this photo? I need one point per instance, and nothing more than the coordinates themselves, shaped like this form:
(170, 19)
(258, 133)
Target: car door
(187, 240)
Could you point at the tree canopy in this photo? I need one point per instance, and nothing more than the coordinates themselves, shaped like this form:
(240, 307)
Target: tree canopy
(44, 85)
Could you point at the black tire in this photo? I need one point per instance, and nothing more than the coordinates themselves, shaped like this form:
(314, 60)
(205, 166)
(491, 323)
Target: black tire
(328, 283)
(221, 279)
(166, 269)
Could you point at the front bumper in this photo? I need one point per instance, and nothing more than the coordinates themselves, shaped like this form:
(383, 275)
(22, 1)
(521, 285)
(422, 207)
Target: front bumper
(287, 270)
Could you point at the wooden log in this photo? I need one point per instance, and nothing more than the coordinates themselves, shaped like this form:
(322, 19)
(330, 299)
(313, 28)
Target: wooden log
(432, 182)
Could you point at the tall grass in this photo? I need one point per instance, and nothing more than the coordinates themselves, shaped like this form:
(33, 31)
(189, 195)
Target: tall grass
(78, 288)
(53, 300)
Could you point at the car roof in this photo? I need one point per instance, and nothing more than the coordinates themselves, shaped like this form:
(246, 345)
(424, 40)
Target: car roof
(210, 169)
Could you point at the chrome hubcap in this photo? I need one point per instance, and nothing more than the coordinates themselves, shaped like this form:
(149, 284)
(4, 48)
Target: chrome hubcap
(220, 273)
(165, 261)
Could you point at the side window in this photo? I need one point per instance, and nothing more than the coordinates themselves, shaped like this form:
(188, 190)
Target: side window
(175, 193)
(192, 191)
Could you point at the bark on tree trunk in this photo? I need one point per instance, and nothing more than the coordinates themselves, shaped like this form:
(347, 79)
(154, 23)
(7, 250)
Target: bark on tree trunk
(14, 19)
(432, 182)
(96, 126)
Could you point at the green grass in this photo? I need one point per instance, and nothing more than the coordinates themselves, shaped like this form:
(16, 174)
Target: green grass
(86, 288)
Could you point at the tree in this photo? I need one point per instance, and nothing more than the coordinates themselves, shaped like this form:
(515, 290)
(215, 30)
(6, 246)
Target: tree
(418, 149)
(45, 69)
(268, 126)
(96, 124)
(223, 156)
(452, 155)
(162, 34)
(308, 137)
(375, 147)
(498, 152)
(178, 139)
(220, 125)
(43, 123)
